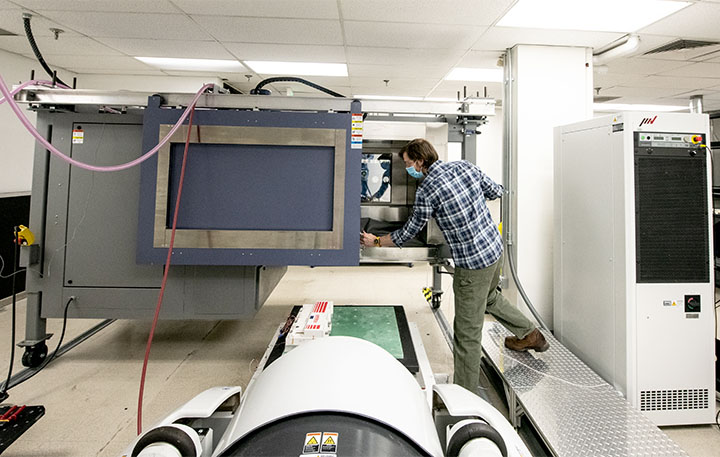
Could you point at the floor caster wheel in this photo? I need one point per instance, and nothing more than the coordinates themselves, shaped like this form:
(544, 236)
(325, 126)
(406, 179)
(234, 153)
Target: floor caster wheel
(34, 355)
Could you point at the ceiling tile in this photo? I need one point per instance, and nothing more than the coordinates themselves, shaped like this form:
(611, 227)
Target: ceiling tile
(315, 9)
(131, 25)
(616, 79)
(480, 59)
(465, 12)
(391, 91)
(7, 6)
(645, 100)
(398, 83)
(287, 52)
(714, 59)
(168, 48)
(697, 21)
(266, 30)
(72, 62)
(629, 66)
(12, 21)
(682, 83)
(696, 70)
(403, 56)
(641, 91)
(706, 93)
(154, 6)
(427, 36)
(76, 45)
(501, 38)
(397, 71)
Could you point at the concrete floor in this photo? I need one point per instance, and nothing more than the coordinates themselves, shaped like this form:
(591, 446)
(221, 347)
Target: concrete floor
(90, 393)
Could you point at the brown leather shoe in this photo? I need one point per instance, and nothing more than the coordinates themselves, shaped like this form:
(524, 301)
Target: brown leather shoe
(534, 340)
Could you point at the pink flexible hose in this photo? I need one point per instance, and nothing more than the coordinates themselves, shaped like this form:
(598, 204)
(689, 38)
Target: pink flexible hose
(33, 131)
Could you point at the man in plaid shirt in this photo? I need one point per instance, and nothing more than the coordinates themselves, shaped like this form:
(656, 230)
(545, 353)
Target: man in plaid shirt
(454, 193)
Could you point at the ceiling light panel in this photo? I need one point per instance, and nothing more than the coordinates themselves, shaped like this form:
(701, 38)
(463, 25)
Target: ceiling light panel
(476, 74)
(593, 15)
(297, 68)
(169, 63)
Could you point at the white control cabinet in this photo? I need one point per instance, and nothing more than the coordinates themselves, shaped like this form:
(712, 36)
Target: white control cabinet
(633, 276)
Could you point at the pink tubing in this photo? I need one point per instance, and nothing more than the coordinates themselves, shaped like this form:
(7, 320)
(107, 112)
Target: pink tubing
(33, 82)
(33, 131)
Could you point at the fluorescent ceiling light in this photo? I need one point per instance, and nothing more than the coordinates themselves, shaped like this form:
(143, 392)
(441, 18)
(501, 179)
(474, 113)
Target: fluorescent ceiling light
(611, 107)
(297, 68)
(167, 63)
(593, 15)
(490, 75)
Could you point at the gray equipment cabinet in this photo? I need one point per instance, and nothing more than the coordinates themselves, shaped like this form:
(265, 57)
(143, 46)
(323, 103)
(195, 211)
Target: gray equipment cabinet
(99, 235)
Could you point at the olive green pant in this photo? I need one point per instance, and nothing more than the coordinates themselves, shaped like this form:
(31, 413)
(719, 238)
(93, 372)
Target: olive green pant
(475, 292)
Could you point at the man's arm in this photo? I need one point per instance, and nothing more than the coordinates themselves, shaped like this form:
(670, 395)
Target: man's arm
(491, 189)
(422, 211)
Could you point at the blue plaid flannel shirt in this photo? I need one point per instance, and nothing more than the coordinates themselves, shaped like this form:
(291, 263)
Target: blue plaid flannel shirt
(454, 193)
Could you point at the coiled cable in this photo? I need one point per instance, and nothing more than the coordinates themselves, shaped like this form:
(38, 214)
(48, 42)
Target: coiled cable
(276, 79)
(36, 51)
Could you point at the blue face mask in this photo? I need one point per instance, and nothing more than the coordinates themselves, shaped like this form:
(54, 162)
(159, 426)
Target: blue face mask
(414, 173)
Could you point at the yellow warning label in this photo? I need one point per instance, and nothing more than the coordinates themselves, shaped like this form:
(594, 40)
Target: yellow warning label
(329, 443)
(312, 442)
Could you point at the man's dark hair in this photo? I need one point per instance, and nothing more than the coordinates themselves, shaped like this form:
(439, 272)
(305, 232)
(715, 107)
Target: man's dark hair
(420, 149)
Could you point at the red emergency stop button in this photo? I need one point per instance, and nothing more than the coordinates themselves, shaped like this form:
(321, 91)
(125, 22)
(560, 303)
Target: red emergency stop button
(696, 139)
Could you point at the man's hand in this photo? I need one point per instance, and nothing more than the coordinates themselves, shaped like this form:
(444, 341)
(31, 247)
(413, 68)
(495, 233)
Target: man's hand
(367, 239)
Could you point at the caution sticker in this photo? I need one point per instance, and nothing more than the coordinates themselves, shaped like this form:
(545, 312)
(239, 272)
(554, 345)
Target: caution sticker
(78, 136)
(329, 442)
(312, 443)
(357, 131)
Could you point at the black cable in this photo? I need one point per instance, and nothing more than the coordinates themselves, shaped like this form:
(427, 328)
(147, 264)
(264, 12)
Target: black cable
(52, 356)
(36, 51)
(3, 394)
(296, 80)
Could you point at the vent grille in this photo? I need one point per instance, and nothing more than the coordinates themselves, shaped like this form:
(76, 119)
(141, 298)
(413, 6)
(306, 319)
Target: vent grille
(679, 45)
(671, 218)
(667, 400)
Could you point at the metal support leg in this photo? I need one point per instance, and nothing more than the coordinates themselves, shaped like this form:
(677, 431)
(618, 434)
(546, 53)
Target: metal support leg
(515, 411)
(35, 332)
(437, 287)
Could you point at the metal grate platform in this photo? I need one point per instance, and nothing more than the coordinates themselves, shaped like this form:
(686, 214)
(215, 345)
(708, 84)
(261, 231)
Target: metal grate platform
(574, 410)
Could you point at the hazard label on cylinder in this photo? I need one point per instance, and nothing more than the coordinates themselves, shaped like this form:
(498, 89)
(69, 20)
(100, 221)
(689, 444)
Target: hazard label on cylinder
(312, 442)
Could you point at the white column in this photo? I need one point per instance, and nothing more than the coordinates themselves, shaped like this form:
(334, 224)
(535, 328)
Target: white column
(551, 86)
